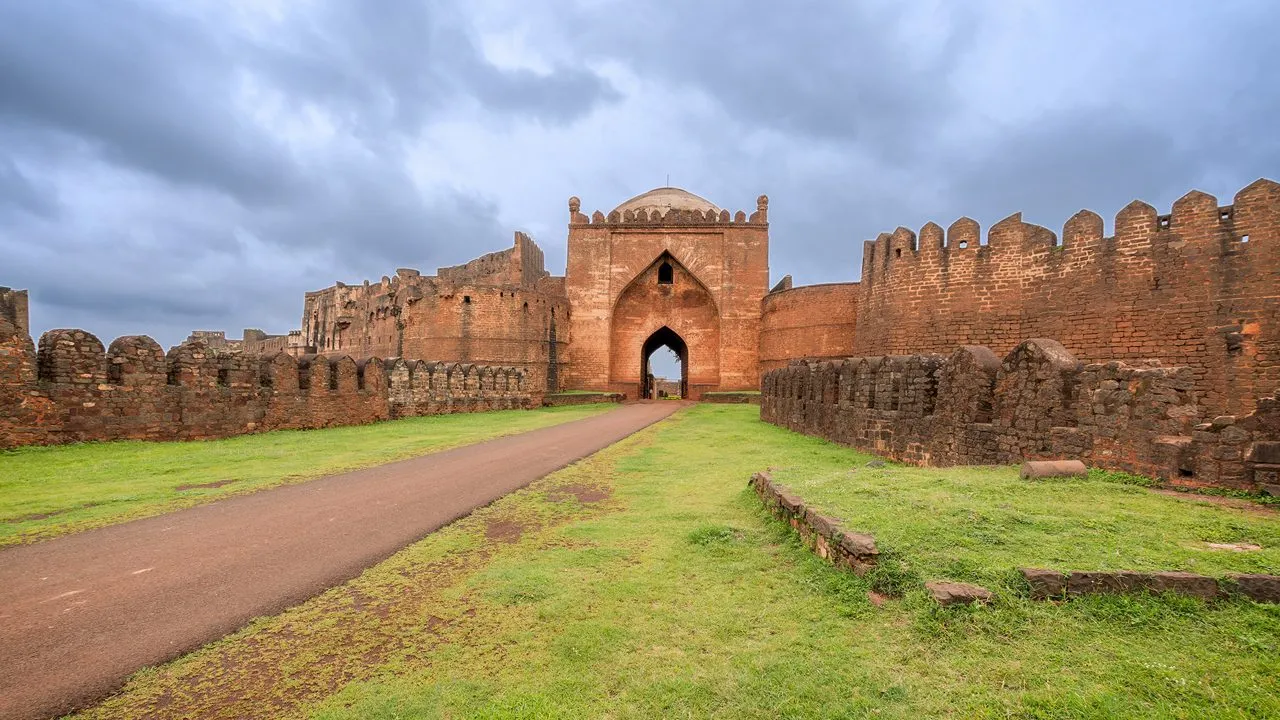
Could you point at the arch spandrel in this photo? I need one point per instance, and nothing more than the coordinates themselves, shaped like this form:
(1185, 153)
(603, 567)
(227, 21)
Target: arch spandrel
(643, 250)
(685, 306)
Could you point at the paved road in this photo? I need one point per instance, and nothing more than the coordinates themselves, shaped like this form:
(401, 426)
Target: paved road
(79, 614)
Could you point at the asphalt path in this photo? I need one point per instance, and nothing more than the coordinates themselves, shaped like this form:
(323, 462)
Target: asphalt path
(80, 613)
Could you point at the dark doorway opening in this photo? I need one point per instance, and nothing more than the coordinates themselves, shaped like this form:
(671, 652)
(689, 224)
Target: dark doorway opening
(663, 337)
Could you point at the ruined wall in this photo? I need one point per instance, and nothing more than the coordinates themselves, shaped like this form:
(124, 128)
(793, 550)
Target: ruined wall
(727, 257)
(1194, 288)
(14, 309)
(70, 390)
(503, 308)
(810, 322)
(970, 407)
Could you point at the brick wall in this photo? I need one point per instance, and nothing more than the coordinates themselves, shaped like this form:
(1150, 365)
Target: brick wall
(70, 390)
(1040, 401)
(1194, 288)
(499, 309)
(810, 322)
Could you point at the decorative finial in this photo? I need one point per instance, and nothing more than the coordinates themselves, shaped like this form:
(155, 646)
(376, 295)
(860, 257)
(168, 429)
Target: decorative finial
(574, 204)
(762, 202)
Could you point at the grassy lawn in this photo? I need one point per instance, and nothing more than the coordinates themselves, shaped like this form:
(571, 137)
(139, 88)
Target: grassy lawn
(647, 582)
(47, 491)
(976, 523)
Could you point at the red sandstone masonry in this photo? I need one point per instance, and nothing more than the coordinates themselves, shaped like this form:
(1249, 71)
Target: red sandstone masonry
(1194, 288)
(1038, 403)
(71, 390)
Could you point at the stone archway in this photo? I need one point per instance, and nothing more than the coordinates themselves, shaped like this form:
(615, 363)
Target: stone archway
(663, 337)
(665, 304)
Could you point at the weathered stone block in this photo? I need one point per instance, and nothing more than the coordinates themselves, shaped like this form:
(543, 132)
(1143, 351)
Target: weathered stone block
(1259, 588)
(1205, 588)
(1053, 468)
(858, 545)
(1045, 584)
(947, 594)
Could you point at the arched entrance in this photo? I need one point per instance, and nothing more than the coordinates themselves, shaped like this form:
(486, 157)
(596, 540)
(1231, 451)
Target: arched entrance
(663, 337)
(665, 305)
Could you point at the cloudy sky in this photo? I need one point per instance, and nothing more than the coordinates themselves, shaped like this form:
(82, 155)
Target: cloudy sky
(171, 165)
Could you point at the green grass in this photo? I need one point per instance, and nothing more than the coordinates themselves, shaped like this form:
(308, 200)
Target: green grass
(977, 523)
(679, 597)
(46, 491)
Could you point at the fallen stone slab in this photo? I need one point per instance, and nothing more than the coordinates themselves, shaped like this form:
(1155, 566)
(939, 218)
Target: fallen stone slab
(1045, 584)
(947, 593)
(1033, 469)
(1259, 588)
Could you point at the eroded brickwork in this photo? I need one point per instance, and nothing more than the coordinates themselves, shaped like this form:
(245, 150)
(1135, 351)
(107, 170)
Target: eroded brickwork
(1194, 288)
(498, 309)
(70, 389)
(1039, 402)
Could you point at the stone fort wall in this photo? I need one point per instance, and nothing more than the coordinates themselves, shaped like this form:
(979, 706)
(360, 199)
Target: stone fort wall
(1040, 401)
(813, 322)
(1195, 288)
(71, 389)
(501, 309)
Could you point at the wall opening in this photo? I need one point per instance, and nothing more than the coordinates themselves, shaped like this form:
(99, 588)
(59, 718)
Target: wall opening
(666, 338)
(666, 274)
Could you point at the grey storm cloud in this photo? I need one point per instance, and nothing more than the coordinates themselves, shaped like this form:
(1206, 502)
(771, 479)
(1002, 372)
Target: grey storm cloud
(168, 166)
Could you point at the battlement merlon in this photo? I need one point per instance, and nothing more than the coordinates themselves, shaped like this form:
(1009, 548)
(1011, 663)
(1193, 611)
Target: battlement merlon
(673, 217)
(1138, 228)
(14, 310)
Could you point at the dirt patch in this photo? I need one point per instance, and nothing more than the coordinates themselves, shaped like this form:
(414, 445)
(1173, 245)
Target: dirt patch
(51, 513)
(503, 531)
(581, 493)
(1235, 547)
(1237, 503)
(204, 486)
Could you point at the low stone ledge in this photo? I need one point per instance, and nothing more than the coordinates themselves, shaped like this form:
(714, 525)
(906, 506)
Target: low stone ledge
(1051, 584)
(1259, 588)
(565, 399)
(741, 398)
(822, 534)
(1045, 584)
(947, 593)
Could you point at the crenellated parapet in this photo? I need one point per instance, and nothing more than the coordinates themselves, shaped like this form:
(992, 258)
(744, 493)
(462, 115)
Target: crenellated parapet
(669, 217)
(972, 408)
(1190, 287)
(69, 389)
